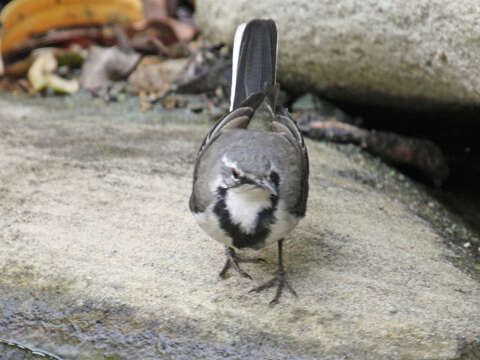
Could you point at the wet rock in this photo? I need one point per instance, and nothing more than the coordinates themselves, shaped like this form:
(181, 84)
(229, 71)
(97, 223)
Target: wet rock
(311, 103)
(305, 102)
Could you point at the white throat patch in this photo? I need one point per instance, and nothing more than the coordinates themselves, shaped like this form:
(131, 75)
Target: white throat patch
(245, 204)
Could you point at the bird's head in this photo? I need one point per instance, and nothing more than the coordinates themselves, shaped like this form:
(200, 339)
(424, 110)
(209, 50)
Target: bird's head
(243, 174)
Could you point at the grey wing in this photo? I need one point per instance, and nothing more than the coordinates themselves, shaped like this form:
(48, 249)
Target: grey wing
(235, 119)
(286, 126)
(238, 118)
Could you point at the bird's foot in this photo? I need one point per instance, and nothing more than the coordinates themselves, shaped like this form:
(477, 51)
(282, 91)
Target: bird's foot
(280, 279)
(232, 261)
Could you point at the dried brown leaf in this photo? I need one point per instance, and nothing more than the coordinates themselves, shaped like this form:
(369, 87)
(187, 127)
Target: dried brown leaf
(106, 64)
(154, 75)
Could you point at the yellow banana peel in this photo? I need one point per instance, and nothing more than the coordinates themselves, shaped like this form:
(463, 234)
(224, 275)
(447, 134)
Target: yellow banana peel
(21, 19)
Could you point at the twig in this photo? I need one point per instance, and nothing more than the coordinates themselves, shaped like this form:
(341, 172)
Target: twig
(26, 348)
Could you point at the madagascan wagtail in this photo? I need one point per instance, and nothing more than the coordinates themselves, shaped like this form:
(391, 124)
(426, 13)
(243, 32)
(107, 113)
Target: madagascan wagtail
(250, 187)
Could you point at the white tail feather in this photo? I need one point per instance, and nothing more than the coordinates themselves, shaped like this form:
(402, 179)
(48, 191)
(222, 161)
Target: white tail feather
(236, 53)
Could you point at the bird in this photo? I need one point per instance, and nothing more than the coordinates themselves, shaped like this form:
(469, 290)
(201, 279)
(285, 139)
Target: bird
(250, 187)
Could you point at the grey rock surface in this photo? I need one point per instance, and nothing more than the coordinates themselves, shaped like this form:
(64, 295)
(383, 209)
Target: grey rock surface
(405, 54)
(100, 258)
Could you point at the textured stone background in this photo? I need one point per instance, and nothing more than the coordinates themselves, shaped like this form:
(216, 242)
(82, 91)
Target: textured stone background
(405, 54)
(100, 256)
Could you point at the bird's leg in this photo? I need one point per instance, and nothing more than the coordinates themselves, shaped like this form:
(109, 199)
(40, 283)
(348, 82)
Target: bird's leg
(280, 278)
(232, 261)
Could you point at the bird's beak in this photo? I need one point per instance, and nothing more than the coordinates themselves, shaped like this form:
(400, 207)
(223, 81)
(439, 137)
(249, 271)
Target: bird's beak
(266, 184)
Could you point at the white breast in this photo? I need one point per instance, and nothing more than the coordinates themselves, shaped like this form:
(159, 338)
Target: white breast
(244, 208)
(245, 205)
(210, 224)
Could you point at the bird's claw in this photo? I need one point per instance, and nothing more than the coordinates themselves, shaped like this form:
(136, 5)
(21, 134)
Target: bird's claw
(232, 261)
(281, 279)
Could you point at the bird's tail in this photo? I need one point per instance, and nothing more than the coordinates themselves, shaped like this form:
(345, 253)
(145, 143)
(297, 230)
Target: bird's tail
(254, 62)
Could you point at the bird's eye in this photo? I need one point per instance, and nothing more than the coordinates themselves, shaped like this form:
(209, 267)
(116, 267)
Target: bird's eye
(275, 178)
(235, 174)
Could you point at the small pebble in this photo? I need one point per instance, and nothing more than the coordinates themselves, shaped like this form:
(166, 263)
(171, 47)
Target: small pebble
(392, 310)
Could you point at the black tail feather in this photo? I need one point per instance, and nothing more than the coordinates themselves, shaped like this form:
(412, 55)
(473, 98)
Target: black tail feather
(255, 68)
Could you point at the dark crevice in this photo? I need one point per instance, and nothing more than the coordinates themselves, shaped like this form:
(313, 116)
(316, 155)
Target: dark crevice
(456, 131)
